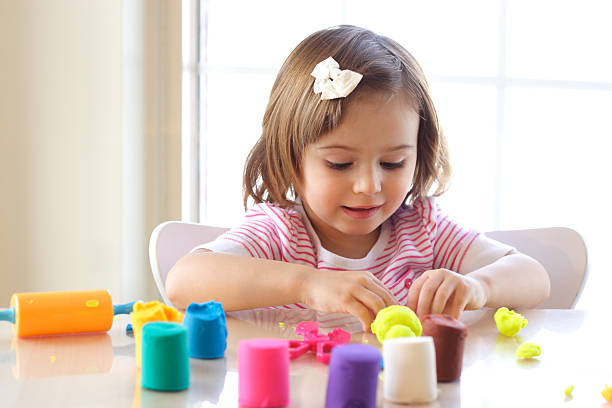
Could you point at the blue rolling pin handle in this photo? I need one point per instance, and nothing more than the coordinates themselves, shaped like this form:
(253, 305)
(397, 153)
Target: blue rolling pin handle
(125, 308)
(8, 315)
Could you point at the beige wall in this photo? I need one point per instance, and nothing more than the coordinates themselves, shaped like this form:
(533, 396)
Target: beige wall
(60, 143)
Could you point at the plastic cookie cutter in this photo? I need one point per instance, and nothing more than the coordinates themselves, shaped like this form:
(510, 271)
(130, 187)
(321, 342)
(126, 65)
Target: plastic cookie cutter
(321, 344)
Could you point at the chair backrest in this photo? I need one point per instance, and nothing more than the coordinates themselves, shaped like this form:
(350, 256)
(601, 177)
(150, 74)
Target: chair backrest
(170, 241)
(561, 251)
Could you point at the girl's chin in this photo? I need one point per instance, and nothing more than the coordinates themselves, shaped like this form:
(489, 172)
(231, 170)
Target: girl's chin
(354, 231)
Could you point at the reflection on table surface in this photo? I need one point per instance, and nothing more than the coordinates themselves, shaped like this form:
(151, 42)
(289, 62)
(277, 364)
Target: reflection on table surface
(99, 369)
(62, 355)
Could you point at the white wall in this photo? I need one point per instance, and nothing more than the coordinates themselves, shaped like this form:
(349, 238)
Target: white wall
(61, 143)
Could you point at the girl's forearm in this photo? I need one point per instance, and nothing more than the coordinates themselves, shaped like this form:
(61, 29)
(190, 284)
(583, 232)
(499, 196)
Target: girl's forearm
(515, 281)
(237, 282)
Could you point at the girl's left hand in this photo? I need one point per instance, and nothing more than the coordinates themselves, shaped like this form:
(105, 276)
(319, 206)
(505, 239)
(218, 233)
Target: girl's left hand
(441, 291)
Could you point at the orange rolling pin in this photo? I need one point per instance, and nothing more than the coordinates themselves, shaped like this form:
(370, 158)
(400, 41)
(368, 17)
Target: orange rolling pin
(49, 313)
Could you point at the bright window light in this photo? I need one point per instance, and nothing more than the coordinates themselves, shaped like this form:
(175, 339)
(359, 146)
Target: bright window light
(523, 91)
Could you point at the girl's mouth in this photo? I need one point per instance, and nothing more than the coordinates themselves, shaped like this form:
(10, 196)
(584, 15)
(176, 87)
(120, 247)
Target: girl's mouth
(360, 212)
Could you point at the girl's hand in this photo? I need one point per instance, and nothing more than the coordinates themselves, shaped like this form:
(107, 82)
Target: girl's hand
(440, 291)
(356, 292)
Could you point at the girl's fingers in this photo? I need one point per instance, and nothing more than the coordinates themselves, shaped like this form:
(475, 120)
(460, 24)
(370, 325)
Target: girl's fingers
(459, 301)
(377, 287)
(413, 293)
(443, 294)
(361, 312)
(371, 300)
(426, 295)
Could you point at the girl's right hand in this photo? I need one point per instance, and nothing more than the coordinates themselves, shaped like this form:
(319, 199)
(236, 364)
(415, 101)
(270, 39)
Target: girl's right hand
(356, 292)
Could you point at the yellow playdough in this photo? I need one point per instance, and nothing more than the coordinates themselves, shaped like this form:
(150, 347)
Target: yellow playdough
(151, 312)
(396, 321)
(508, 321)
(607, 393)
(528, 350)
(568, 391)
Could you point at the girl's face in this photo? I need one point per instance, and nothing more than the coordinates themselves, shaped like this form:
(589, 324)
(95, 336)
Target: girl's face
(356, 176)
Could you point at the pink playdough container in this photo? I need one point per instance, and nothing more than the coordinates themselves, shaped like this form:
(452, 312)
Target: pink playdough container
(263, 373)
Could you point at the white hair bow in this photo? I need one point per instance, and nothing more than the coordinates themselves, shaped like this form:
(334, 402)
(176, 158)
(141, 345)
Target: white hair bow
(332, 82)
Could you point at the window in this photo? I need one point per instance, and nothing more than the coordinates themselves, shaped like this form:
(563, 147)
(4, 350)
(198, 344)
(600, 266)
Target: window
(523, 91)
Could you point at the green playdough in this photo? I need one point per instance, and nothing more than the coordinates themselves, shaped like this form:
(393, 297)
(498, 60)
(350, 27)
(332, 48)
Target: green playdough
(508, 321)
(528, 350)
(396, 321)
(165, 356)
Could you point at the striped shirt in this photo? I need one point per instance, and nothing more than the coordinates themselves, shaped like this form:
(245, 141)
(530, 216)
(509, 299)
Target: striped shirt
(412, 241)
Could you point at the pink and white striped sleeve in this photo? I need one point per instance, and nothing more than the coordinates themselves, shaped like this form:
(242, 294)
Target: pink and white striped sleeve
(450, 240)
(257, 237)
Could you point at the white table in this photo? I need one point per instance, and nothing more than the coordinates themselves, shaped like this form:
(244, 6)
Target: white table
(99, 370)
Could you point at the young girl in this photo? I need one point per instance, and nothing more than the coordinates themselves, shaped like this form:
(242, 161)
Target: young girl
(342, 221)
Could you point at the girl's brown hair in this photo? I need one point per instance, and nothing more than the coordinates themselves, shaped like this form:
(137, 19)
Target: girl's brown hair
(296, 116)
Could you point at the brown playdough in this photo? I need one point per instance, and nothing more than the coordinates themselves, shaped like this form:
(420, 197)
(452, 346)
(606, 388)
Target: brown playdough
(448, 336)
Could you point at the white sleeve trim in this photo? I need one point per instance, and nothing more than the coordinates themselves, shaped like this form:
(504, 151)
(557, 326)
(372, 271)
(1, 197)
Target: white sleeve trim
(224, 246)
(483, 251)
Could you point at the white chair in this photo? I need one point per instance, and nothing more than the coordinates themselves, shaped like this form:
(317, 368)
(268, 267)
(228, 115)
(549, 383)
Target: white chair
(170, 241)
(561, 250)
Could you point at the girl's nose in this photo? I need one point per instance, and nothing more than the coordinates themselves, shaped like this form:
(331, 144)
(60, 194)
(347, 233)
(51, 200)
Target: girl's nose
(368, 181)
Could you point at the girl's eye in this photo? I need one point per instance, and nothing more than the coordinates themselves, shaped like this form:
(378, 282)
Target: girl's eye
(338, 166)
(392, 165)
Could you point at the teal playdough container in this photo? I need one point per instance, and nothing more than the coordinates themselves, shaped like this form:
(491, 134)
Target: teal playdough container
(165, 357)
